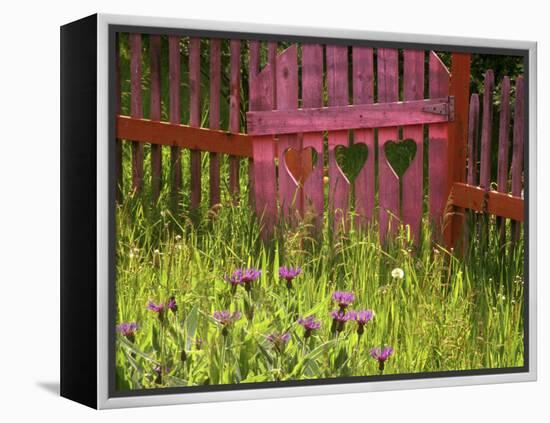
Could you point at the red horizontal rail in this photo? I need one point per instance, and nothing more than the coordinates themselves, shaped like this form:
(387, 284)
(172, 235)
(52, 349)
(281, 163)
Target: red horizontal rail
(183, 136)
(492, 202)
(377, 115)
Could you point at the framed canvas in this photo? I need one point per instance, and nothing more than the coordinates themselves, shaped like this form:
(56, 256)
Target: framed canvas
(255, 211)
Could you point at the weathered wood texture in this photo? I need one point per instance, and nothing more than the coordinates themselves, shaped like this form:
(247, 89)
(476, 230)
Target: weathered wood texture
(214, 117)
(174, 83)
(312, 96)
(388, 187)
(337, 84)
(195, 116)
(136, 109)
(438, 142)
(413, 179)
(155, 114)
(234, 112)
(377, 115)
(363, 93)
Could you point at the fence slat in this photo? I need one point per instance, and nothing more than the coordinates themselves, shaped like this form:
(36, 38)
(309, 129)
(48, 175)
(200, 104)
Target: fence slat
(337, 82)
(412, 182)
(234, 112)
(517, 149)
(214, 116)
(253, 69)
(486, 130)
(289, 164)
(503, 137)
(312, 96)
(156, 152)
(438, 136)
(473, 136)
(118, 146)
(195, 116)
(265, 194)
(136, 110)
(472, 158)
(174, 83)
(388, 186)
(272, 60)
(363, 93)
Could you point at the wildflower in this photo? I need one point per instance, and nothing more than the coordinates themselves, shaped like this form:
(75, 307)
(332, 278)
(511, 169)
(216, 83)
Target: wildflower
(159, 371)
(309, 324)
(289, 273)
(157, 308)
(339, 319)
(243, 277)
(362, 318)
(128, 330)
(279, 340)
(226, 318)
(172, 305)
(381, 354)
(343, 298)
(156, 258)
(397, 273)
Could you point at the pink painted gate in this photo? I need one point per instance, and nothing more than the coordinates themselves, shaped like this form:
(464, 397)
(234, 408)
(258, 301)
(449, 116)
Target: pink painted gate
(285, 126)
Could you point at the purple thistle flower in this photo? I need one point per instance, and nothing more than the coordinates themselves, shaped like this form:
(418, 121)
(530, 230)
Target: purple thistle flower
(226, 318)
(343, 298)
(243, 277)
(279, 340)
(362, 318)
(128, 330)
(309, 324)
(381, 354)
(339, 319)
(172, 305)
(289, 273)
(157, 308)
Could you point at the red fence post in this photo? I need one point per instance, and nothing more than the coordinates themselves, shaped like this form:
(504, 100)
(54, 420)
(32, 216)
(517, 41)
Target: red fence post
(458, 139)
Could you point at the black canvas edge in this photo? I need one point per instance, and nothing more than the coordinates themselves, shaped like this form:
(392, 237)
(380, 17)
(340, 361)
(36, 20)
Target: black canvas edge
(78, 266)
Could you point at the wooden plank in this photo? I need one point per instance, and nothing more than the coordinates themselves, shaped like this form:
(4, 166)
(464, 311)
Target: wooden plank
(272, 60)
(289, 164)
(412, 181)
(118, 146)
(457, 141)
(337, 81)
(363, 93)
(234, 112)
(214, 116)
(438, 138)
(388, 185)
(517, 150)
(253, 69)
(503, 136)
(183, 136)
(265, 194)
(156, 150)
(473, 136)
(492, 202)
(174, 83)
(195, 116)
(503, 149)
(486, 130)
(378, 115)
(312, 96)
(136, 109)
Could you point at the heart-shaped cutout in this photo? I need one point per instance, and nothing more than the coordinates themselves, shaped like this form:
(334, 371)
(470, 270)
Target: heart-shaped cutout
(300, 163)
(352, 159)
(400, 155)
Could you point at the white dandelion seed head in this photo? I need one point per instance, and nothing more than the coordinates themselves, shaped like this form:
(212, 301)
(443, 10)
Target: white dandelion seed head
(397, 273)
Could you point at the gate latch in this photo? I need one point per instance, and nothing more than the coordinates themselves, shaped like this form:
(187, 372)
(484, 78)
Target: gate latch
(445, 109)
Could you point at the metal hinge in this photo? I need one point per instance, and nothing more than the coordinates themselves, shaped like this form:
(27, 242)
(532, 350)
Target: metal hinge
(445, 109)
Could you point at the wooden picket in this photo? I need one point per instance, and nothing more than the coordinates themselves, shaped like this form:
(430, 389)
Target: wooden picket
(285, 135)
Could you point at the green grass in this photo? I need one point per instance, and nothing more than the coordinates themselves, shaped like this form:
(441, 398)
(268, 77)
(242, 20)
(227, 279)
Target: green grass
(448, 313)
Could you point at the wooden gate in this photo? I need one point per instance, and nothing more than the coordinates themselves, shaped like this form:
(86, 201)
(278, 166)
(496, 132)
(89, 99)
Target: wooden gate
(285, 127)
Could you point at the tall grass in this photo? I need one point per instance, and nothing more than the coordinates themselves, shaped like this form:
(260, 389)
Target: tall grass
(448, 313)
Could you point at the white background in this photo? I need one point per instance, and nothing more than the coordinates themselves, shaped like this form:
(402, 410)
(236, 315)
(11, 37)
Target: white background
(29, 208)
